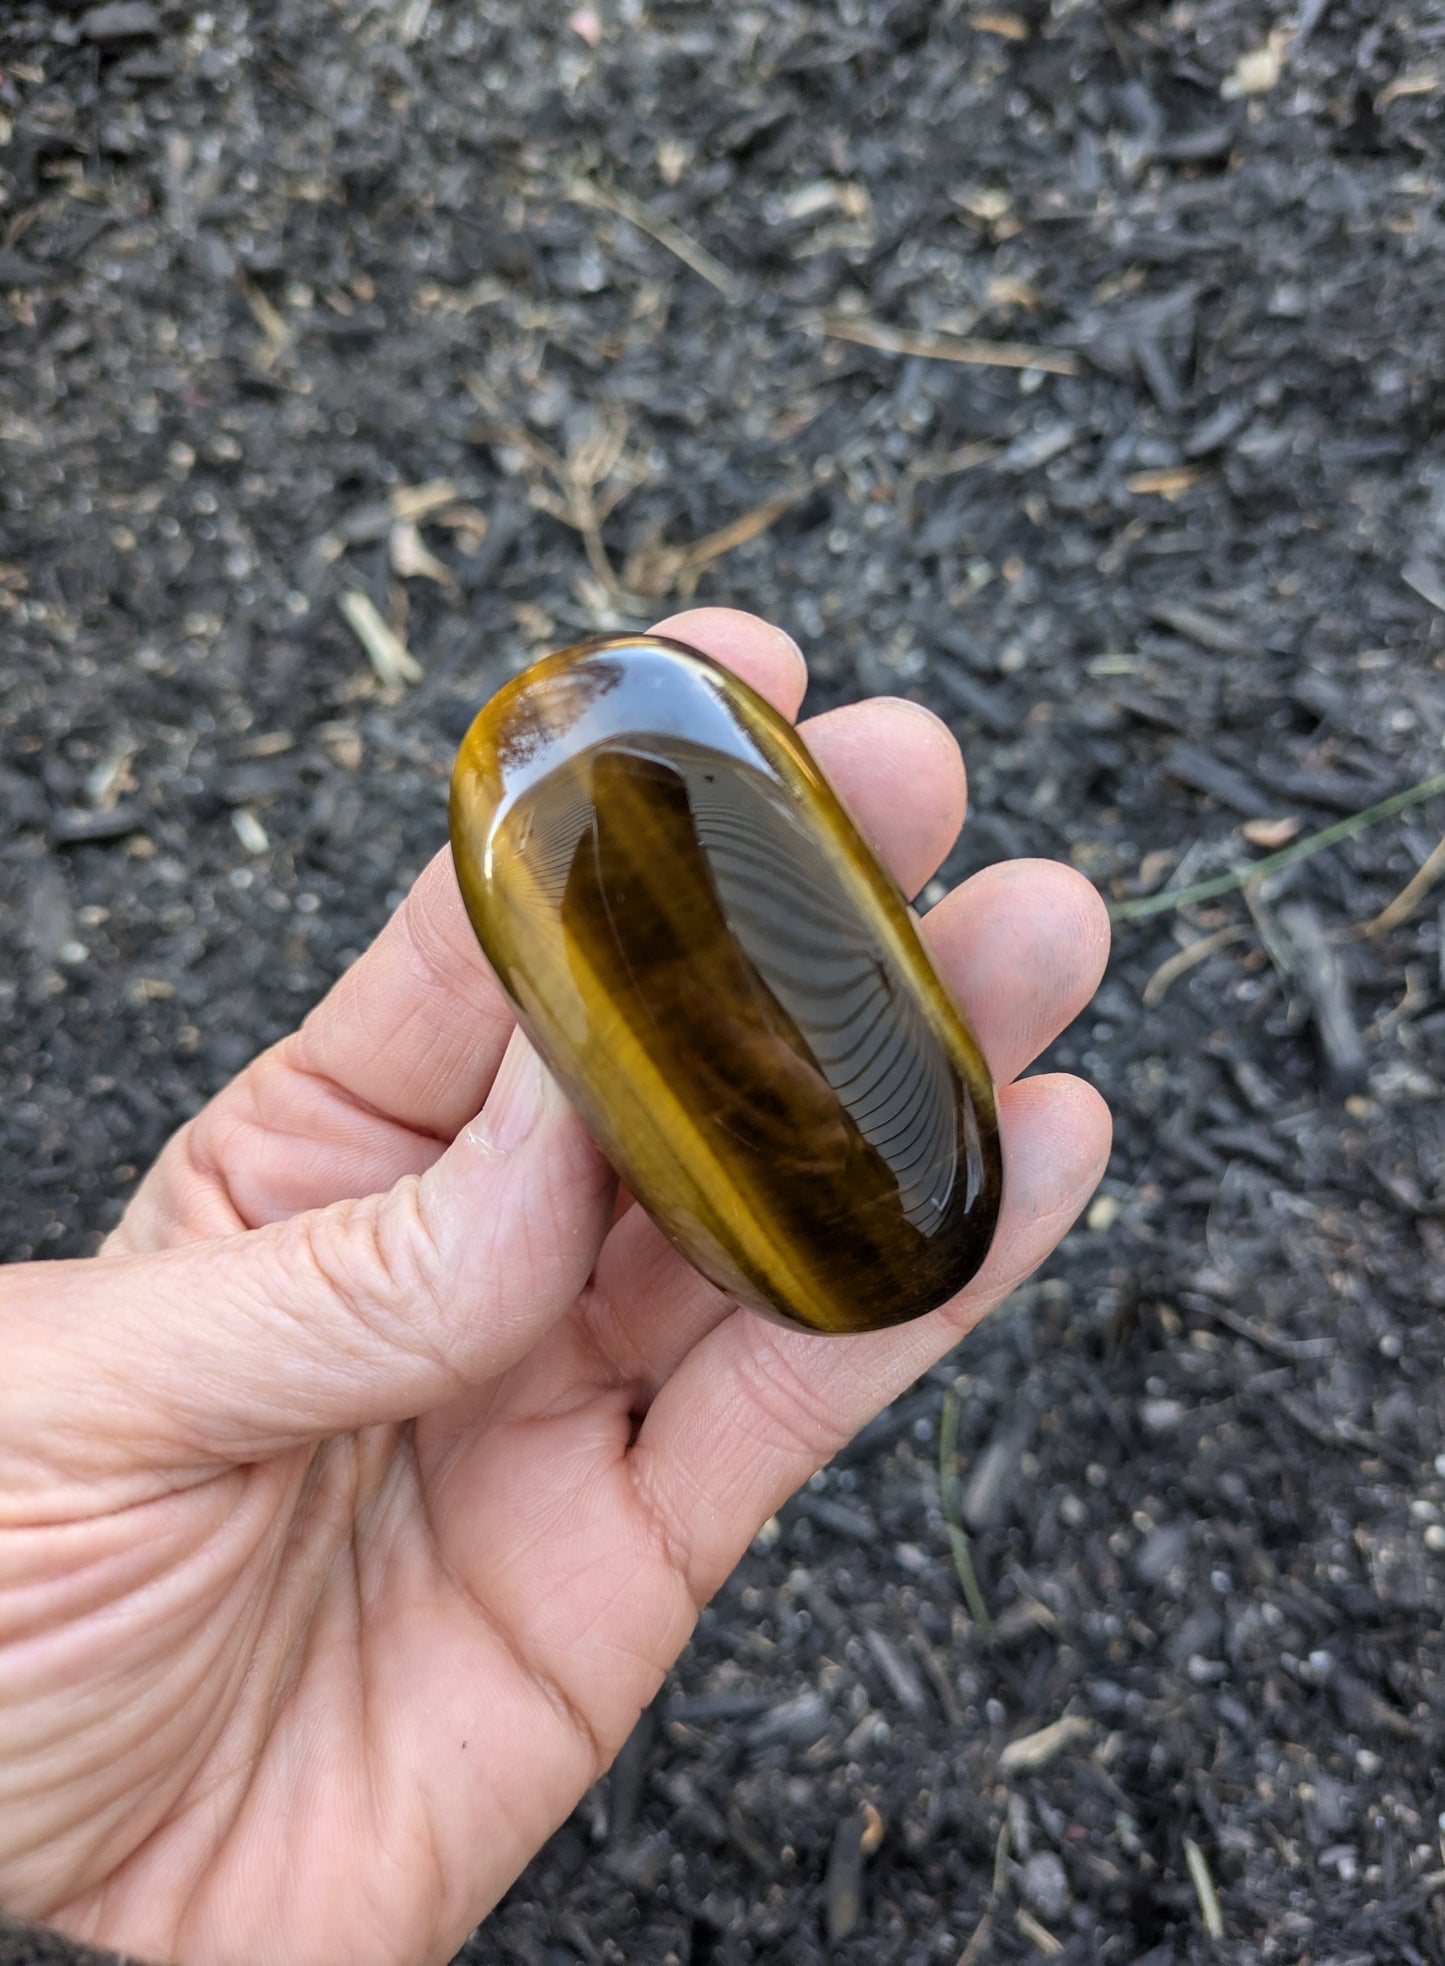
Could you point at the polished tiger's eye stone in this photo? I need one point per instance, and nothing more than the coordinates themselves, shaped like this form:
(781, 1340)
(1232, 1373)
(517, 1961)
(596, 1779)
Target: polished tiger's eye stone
(729, 987)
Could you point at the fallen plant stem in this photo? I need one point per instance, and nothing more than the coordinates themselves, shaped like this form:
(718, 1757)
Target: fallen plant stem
(1199, 1877)
(1411, 895)
(1183, 960)
(1274, 863)
(611, 198)
(950, 348)
(953, 1515)
(1038, 1935)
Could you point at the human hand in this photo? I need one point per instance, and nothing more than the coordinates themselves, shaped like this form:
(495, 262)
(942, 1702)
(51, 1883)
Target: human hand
(356, 1499)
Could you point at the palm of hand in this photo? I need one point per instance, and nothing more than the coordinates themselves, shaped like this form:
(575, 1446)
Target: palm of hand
(354, 1634)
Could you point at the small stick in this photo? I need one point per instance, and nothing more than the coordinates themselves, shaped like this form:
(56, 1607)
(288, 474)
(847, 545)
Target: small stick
(1274, 863)
(953, 1514)
(1209, 1909)
(950, 348)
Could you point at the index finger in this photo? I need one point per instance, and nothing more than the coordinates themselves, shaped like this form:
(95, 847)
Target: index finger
(416, 1029)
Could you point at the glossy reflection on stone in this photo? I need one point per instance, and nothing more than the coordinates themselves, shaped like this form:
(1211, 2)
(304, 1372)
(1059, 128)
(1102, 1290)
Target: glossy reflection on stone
(730, 988)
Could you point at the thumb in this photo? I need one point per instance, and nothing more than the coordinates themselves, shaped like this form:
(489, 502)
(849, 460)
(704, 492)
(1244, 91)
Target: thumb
(343, 1317)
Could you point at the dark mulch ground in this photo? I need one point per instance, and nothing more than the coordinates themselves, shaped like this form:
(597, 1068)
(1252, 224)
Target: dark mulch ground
(266, 268)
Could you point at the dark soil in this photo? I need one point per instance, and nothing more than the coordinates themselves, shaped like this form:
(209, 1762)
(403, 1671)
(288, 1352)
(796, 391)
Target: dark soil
(266, 268)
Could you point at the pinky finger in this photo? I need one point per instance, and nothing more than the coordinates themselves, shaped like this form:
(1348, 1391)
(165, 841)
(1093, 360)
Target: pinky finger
(754, 1409)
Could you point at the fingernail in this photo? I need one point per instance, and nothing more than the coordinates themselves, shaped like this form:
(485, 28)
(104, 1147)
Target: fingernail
(514, 1103)
(790, 643)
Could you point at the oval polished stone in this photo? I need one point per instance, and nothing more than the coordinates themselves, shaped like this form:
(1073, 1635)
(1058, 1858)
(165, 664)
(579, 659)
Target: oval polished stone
(729, 987)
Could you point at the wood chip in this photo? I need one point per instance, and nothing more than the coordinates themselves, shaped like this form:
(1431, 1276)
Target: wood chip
(1031, 1751)
(1202, 625)
(1199, 1877)
(1316, 966)
(974, 1951)
(417, 502)
(393, 661)
(903, 1681)
(270, 321)
(1272, 833)
(1255, 73)
(1011, 26)
(249, 830)
(1104, 1211)
(1168, 483)
(123, 20)
(1425, 580)
(342, 742)
(843, 1887)
(413, 559)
